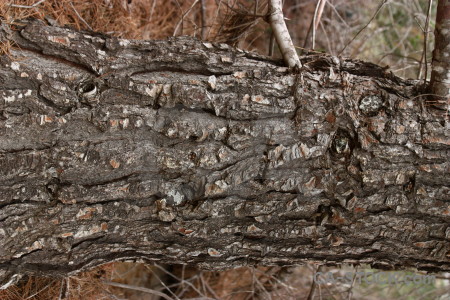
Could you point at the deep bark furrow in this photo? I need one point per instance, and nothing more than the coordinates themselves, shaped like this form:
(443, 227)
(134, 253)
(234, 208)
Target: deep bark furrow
(190, 152)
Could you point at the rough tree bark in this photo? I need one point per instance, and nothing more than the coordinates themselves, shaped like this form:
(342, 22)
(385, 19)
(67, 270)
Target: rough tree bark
(440, 75)
(180, 151)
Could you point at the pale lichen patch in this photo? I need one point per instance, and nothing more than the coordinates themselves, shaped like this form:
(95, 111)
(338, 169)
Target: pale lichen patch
(43, 119)
(208, 45)
(9, 98)
(166, 215)
(87, 231)
(253, 229)
(101, 52)
(194, 253)
(245, 99)
(152, 92)
(125, 122)
(260, 99)
(370, 104)
(123, 42)
(36, 245)
(212, 81)
(226, 59)
(85, 213)
(240, 74)
(15, 66)
(176, 196)
(214, 253)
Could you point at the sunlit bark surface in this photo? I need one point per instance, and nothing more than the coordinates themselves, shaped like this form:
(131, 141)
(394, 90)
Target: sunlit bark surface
(183, 151)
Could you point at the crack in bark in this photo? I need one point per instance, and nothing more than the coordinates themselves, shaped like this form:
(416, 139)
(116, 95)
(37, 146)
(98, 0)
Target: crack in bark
(292, 168)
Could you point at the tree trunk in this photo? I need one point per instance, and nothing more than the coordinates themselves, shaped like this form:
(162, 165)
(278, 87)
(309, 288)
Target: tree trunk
(440, 75)
(182, 151)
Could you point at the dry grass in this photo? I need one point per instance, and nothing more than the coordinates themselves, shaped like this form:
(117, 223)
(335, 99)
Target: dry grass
(140, 19)
(133, 281)
(136, 19)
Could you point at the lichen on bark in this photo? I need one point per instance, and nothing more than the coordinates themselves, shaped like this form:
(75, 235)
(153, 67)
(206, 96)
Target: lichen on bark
(183, 151)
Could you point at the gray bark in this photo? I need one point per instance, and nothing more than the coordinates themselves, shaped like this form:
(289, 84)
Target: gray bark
(181, 151)
(440, 75)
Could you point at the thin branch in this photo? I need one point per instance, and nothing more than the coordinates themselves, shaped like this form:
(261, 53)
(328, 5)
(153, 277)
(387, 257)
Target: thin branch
(425, 42)
(350, 289)
(338, 14)
(362, 29)
(79, 17)
(181, 22)
(152, 10)
(138, 288)
(281, 33)
(313, 284)
(40, 291)
(317, 15)
(181, 280)
(27, 6)
(203, 18)
(314, 23)
(247, 13)
(64, 289)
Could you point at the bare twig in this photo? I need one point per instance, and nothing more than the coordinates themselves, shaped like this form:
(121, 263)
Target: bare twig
(181, 22)
(365, 26)
(330, 49)
(314, 23)
(138, 288)
(282, 34)
(423, 59)
(27, 6)
(314, 283)
(64, 288)
(152, 10)
(203, 18)
(215, 18)
(32, 296)
(207, 287)
(79, 17)
(317, 15)
(338, 14)
(181, 280)
(350, 289)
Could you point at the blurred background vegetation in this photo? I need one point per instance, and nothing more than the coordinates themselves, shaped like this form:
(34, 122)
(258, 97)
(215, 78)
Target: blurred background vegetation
(385, 32)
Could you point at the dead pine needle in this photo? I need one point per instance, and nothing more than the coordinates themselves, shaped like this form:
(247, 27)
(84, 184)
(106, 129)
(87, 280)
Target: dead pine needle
(27, 6)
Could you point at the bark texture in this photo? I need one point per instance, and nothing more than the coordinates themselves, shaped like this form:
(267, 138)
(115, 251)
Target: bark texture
(181, 151)
(440, 76)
